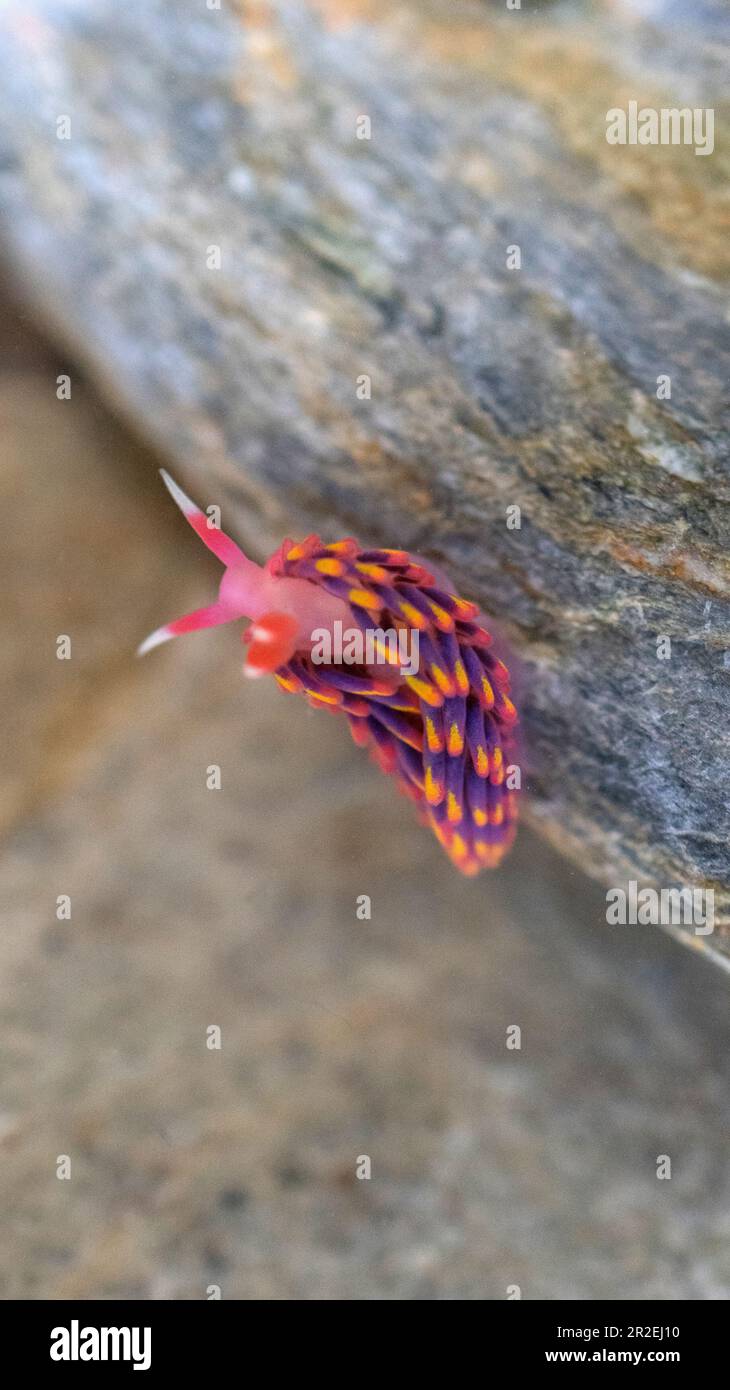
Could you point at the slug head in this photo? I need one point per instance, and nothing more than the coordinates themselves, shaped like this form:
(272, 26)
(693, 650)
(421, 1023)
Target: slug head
(285, 611)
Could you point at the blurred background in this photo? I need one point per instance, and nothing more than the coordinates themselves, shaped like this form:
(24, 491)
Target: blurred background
(340, 1038)
(234, 1170)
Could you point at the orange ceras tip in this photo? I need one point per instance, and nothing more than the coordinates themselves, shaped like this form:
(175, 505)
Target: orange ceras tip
(370, 634)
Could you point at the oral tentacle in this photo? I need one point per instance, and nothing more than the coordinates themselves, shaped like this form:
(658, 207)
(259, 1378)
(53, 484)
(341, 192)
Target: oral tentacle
(212, 616)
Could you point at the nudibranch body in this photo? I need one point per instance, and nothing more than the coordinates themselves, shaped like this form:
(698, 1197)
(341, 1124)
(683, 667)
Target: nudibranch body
(441, 725)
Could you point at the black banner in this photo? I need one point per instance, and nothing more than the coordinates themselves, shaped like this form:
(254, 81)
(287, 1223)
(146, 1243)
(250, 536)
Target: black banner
(160, 1338)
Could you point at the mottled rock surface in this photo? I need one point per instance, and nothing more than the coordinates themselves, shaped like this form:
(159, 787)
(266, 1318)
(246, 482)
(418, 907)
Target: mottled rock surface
(236, 129)
(192, 1167)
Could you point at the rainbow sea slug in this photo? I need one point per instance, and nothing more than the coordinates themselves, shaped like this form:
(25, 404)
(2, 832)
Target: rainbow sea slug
(370, 633)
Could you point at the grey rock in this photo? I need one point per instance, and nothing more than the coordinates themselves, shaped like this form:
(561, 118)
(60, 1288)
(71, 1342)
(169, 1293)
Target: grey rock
(491, 387)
